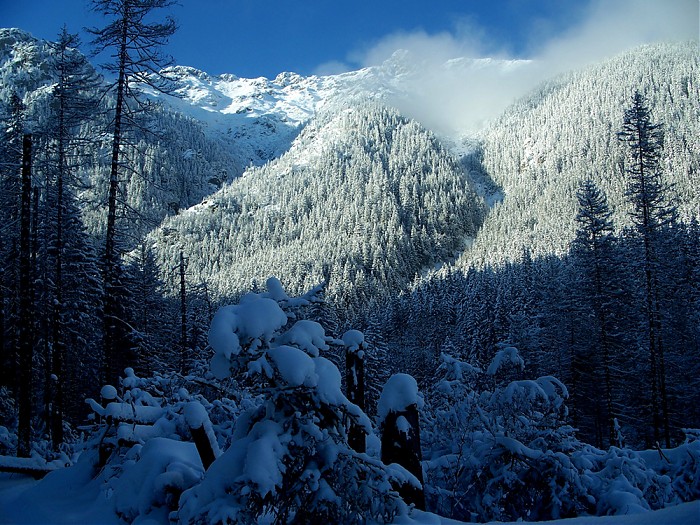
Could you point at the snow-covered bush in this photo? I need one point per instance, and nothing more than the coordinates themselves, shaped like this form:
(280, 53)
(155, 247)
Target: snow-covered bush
(501, 450)
(500, 453)
(153, 478)
(620, 481)
(289, 461)
(8, 441)
(685, 471)
(139, 448)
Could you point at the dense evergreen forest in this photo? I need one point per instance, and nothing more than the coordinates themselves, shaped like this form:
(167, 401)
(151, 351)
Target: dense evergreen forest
(524, 307)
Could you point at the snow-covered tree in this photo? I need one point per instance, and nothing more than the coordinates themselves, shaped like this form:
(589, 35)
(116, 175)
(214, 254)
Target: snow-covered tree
(71, 290)
(289, 460)
(500, 452)
(13, 127)
(135, 43)
(593, 291)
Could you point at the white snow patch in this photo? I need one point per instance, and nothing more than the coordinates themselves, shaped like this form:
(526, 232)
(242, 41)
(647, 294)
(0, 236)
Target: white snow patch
(507, 355)
(400, 392)
(353, 340)
(251, 322)
(307, 335)
(108, 392)
(195, 414)
(294, 365)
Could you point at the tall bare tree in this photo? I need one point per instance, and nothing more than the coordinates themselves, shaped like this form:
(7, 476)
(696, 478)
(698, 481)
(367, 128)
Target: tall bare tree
(135, 46)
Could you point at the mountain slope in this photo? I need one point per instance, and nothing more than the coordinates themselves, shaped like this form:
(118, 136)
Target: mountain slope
(363, 194)
(544, 145)
(212, 130)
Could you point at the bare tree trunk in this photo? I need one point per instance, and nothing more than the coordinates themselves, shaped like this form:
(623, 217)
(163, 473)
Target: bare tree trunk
(401, 444)
(355, 381)
(26, 320)
(111, 367)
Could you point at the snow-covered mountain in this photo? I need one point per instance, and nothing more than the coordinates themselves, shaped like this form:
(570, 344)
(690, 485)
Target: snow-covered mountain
(260, 117)
(364, 197)
(543, 146)
(526, 164)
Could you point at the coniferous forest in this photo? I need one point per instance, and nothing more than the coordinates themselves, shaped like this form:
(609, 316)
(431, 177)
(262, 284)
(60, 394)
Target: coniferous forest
(344, 318)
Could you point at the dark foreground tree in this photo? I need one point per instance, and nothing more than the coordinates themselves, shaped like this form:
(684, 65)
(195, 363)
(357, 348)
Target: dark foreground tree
(26, 317)
(12, 120)
(594, 295)
(135, 46)
(70, 291)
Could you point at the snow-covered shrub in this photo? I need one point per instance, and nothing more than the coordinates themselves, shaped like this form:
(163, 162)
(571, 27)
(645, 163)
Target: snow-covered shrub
(289, 460)
(501, 450)
(140, 445)
(8, 441)
(154, 475)
(685, 471)
(621, 482)
(8, 422)
(680, 464)
(500, 453)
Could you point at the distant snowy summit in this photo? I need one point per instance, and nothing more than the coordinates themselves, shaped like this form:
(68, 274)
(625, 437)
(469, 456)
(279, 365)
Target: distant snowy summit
(228, 101)
(256, 120)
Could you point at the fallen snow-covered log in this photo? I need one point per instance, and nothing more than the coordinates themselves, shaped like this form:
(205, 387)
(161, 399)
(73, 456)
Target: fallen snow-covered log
(35, 467)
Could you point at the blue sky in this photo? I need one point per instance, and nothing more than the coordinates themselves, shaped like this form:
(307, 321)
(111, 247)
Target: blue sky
(253, 38)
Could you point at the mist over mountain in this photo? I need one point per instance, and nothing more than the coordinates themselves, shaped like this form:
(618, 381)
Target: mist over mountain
(545, 144)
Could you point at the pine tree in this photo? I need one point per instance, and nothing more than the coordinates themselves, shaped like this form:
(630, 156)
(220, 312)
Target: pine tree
(26, 303)
(136, 44)
(592, 250)
(13, 122)
(73, 101)
(154, 341)
(651, 213)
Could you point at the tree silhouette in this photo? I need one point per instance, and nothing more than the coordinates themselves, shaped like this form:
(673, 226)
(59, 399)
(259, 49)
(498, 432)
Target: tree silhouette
(135, 46)
(651, 214)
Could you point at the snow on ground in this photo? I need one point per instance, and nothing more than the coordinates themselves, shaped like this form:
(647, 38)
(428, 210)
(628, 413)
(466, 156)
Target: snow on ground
(23, 501)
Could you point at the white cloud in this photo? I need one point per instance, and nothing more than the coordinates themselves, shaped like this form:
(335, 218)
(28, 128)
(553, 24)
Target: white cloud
(613, 26)
(333, 67)
(458, 99)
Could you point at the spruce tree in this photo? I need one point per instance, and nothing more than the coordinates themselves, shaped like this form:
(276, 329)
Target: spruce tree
(73, 102)
(592, 251)
(13, 124)
(26, 303)
(651, 213)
